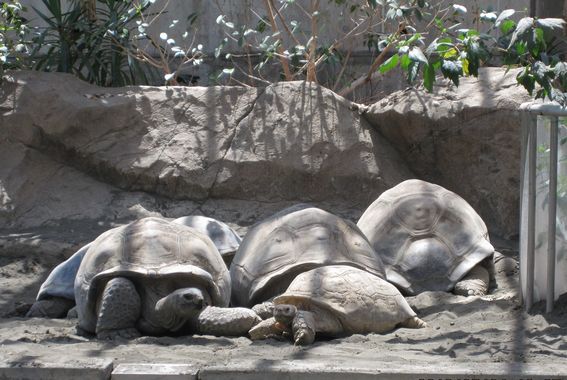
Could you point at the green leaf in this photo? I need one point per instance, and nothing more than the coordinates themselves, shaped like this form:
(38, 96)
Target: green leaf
(413, 70)
(219, 48)
(550, 23)
(521, 47)
(451, 53)
(539, 70)
(526, 80)
(428, 77)
(538, 39)
(488, 16)
(523, 26)
(389, 64)
(413, 38)
(507, 26)
(560, 71)
(542, 74)
(459, 9)
(505, 14)
(417, 55)
(262, 25)
(405, 62)
(452, 70)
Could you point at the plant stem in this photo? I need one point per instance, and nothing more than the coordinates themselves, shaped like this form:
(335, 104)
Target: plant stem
(285, 64)
(311, 67)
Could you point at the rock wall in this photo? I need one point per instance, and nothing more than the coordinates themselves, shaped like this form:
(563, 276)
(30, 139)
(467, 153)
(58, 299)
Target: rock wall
(77, 159)
(466, 139)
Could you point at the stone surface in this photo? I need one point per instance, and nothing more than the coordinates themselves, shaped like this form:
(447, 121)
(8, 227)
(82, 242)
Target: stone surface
(355, 369)
(303, 142)
(93, 369)
(323, 367)
(73, 150)
(466, 139)
(145, 371)
(165, 140)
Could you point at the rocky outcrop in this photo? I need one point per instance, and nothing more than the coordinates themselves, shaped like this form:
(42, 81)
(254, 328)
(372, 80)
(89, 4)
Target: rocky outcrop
(77, 159)
(302, 141)
(466, 139)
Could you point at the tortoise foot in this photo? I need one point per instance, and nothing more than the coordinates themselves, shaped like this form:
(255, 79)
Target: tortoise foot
(129, 333)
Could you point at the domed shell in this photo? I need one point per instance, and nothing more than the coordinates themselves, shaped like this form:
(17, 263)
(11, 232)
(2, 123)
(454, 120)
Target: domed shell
(427, 236)
(225, 238)
(293, 241)
(362, 302)
(146, 250)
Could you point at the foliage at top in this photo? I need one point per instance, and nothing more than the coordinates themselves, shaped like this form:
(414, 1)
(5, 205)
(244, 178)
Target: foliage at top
(108, 42)
(101, 41)
(425, 38)
(12, 31)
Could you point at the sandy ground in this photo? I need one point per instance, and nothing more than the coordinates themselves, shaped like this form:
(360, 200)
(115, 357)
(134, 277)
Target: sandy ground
(461, 329)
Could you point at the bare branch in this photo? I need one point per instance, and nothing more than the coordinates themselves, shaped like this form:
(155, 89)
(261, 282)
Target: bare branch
(285, 64)
(311, 66)
(338, 80)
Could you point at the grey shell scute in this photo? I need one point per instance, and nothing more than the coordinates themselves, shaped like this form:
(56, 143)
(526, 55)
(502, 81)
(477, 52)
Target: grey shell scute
(361, 301)
(150, 249)
(292, 241)
(427, 236)
(225, 238)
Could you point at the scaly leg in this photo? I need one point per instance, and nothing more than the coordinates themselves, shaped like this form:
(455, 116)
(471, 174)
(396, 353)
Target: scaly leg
(118, 310)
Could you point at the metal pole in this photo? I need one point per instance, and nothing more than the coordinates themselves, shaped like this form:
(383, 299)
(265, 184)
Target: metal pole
(526, 122)
(532, 8)
(532, 149)
(552, 213)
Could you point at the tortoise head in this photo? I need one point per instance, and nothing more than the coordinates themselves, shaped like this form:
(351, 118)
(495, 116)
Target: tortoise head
(179, 307)
(169, 310)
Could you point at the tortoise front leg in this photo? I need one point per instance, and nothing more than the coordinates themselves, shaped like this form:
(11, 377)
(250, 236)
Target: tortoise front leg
(303, 328)
(475, 283)
(226, 321)
(118, 310)
(302, 323)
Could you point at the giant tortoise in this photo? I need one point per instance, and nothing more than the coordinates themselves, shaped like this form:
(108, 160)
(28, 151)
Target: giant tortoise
(57, 295)
(430, 239)
(155, 277)
(322, 275)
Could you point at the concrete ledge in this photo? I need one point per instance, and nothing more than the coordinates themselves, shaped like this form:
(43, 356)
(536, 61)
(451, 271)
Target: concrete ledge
(155, 371)
(95, 369)
(318, 368)
(363, 370)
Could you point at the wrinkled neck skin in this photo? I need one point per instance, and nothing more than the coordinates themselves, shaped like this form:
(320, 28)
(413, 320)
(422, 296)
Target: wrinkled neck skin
(168, 311)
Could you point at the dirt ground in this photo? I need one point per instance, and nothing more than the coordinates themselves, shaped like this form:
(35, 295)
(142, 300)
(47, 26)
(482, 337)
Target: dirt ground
(493, 329)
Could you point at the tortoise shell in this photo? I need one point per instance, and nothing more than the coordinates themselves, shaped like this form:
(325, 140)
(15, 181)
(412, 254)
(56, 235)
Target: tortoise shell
(225, 238)
(427, 236)
(362, 302)
(293, 241)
